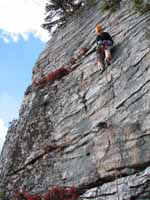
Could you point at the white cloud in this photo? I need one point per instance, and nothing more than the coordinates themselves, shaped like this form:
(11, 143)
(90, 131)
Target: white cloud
(6, 40)
(3, 131)
(22, 17)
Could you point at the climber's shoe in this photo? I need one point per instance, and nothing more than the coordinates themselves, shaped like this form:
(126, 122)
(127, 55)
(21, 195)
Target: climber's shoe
(101, 69)
(108, 62)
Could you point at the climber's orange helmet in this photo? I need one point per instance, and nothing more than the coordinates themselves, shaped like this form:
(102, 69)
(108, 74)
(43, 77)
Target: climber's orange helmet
(98, 29)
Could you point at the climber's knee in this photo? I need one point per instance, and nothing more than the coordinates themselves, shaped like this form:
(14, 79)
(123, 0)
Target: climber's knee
(108, 55)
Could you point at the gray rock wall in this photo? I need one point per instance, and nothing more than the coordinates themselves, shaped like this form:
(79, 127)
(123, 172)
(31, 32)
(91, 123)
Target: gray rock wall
(83, 130)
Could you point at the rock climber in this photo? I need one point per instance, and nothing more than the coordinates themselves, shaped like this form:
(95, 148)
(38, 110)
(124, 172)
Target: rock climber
(104, 44)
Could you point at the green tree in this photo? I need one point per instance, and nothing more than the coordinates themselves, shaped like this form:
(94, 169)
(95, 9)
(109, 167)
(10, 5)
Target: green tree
(58, 11)
(141, 6)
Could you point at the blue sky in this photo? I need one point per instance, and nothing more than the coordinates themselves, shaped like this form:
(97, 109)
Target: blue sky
(21, 41)
(16, 63)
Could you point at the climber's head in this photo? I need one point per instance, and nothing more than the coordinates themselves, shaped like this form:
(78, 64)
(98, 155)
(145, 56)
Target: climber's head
(99, 30)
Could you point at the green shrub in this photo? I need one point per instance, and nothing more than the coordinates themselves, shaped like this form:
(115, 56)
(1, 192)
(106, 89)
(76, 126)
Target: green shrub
(110, 5)
(140, 6)
(2, 195)
(91, 2)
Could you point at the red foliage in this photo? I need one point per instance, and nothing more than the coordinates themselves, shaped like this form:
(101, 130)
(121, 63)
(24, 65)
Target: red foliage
(55, 193)
(52, 76)
(27, 196)
(83, 50)
(72, 61)
(59, 73)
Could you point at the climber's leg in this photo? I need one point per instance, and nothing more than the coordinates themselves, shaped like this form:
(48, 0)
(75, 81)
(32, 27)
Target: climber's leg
(108, 56)
(108, 46)
(100, 58)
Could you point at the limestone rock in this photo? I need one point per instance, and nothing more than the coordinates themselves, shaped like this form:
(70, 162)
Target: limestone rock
(84, 130)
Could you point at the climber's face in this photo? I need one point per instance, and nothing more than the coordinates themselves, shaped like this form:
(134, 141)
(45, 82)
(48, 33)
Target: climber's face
(99, 32)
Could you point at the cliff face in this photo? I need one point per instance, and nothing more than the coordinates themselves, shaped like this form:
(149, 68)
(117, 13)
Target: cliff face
(82, 130)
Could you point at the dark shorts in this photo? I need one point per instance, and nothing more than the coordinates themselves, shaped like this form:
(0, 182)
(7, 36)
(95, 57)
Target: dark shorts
(103, 45)
(106, 44)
